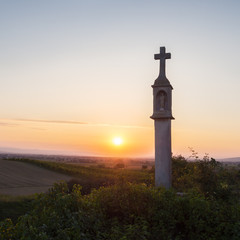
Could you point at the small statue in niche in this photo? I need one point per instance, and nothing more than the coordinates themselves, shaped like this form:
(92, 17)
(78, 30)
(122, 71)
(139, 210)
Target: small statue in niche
(162, 101)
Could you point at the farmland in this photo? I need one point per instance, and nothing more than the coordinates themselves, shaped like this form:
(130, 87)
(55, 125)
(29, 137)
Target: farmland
(19, 178)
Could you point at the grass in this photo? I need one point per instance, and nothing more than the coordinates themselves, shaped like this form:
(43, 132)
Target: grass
(13, 207)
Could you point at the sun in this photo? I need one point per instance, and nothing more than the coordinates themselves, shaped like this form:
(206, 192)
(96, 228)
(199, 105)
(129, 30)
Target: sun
(117, 141)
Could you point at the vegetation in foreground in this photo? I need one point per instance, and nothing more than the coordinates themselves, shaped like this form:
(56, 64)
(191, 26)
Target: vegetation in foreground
(124, 211)
(13, 207)
(208, 209)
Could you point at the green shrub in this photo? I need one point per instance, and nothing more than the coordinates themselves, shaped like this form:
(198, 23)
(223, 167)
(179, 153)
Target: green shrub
(207, 177)
(124, 211)
(7, 229)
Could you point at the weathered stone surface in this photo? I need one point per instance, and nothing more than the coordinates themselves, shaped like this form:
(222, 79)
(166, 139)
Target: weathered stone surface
(162, 115)
(163, 153)
(162, 56)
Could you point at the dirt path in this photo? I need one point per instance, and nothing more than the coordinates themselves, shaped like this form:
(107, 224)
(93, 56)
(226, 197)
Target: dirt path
(17, 178)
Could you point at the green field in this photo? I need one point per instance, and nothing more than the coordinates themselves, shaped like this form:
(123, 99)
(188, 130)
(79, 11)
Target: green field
(118, 203)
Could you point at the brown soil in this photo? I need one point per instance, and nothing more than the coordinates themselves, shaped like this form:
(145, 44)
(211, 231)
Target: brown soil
(17, 178)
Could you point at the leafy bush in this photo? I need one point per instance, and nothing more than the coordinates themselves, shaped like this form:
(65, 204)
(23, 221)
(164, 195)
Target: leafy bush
(124, 211)
(207, 177)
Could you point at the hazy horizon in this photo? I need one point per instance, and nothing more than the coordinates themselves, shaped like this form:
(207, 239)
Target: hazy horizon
(79, 154)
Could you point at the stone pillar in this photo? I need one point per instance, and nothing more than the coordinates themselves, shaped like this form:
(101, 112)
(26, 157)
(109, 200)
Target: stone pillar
(163, 163)
(162, 116)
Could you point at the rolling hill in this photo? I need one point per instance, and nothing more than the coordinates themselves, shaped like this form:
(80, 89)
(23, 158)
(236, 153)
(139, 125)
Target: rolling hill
(18, 178)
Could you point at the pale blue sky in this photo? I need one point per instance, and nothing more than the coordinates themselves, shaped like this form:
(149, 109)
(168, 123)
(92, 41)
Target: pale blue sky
(92, 61)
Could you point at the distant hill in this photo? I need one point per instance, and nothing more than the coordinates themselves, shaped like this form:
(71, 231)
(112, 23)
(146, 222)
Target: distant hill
(235, 159)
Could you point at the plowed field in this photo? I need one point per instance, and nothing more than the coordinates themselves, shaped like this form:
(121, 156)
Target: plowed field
(17, 178)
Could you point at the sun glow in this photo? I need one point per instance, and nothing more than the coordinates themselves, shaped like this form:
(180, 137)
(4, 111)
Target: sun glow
(117, 141)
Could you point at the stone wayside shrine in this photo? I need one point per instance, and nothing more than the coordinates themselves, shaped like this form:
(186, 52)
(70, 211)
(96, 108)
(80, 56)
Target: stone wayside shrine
(162, 116)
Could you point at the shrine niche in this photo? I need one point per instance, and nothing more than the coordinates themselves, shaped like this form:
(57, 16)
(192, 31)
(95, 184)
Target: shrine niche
(161, 101)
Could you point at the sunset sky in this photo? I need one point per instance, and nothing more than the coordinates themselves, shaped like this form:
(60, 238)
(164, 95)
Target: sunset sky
(76, 74)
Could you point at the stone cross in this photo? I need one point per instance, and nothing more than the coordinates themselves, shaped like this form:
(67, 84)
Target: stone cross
(162, 116)
(162, 56)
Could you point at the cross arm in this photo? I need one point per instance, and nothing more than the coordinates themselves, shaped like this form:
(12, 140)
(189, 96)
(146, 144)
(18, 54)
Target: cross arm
(162, 56)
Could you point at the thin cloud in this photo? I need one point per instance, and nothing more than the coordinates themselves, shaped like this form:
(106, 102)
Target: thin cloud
(78, 123)
(119, 126)
(48, 121)
(7, 124)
